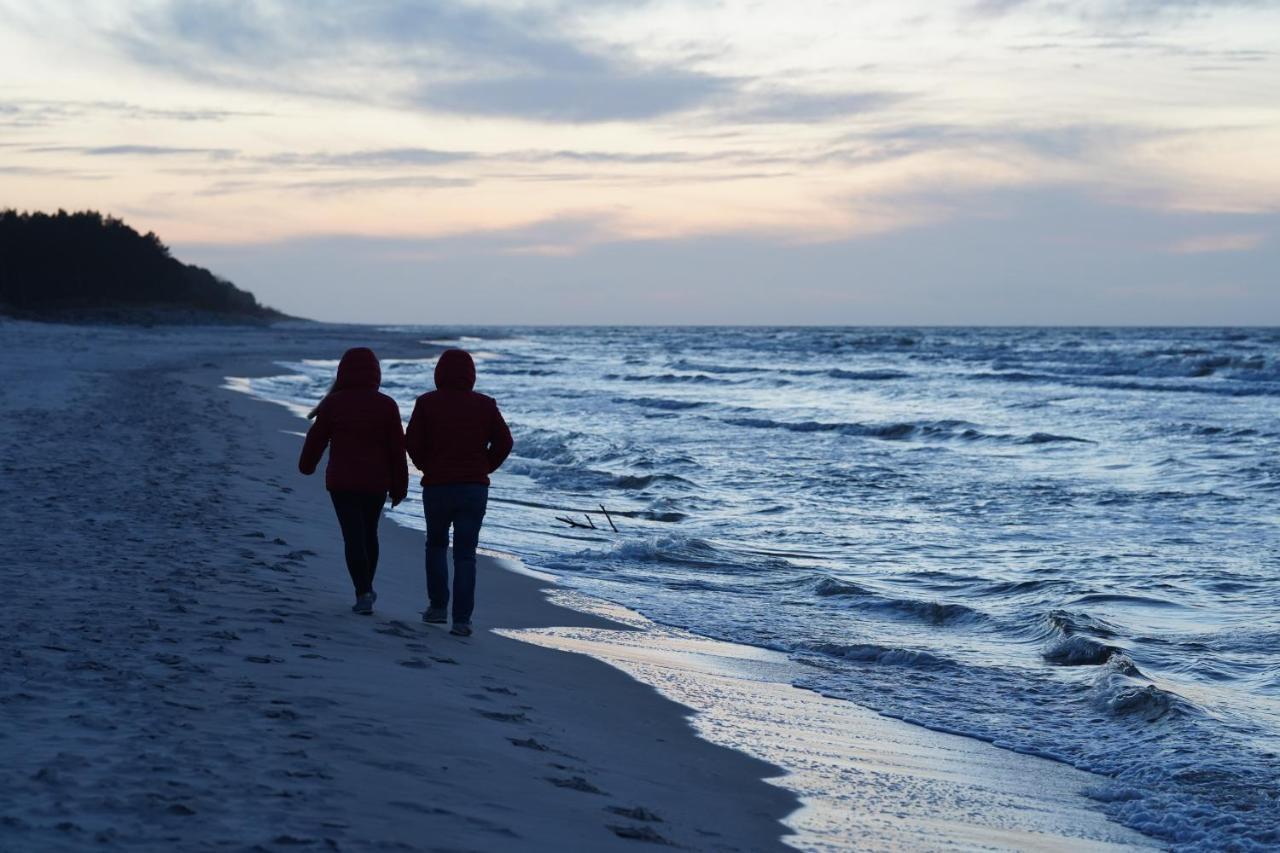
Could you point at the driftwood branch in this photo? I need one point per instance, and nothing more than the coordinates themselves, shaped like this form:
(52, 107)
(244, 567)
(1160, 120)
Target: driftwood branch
(590, 525)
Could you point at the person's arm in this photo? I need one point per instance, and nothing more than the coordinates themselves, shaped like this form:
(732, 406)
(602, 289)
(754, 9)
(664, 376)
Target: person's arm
(500, 442)
(317, 440)
(396, 465)
(415, 438)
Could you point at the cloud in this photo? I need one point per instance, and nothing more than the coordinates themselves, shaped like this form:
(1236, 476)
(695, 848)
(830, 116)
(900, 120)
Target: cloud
(1067, 141)
(435, 56)
(338, 186)
(367, 158)
(1103, 10)
(612, 93)
(779, 106)
(40, 113)
(1217, 243)
(159, 151)
(137, 151)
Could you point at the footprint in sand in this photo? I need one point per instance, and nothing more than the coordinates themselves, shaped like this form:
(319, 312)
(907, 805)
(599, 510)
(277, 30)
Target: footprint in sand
(419, 808)
(505, 691)
(502, 716)
(637, 813)
(528, 743)
(574, 783)
(638, 833)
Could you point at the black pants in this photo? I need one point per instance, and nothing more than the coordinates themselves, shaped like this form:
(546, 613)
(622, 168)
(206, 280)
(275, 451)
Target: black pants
(358, 514)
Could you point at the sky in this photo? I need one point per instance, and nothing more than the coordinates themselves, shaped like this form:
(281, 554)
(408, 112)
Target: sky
(773, 161)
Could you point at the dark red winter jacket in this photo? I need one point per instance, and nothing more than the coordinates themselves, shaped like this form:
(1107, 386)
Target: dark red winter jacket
(455, 434)
(361, 428)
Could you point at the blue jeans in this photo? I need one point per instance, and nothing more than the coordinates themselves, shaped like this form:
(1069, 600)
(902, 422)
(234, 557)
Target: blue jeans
(462, 506)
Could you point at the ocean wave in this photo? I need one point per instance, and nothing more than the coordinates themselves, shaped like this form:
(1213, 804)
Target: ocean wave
(684, 550)
(1022, 587)
(1115, 693)
(1190, 363)
(670, 378)
(1049, 438)
(1078, 650)
(1124, 598)
(1225, 386)
(829, 587)
(644, 481)
(930, 612)
(545, 446)
(886, 432)
(530, 371)
(667, 516)
(1068, 623)
(866, 375)
(662, 403)
(940, 430)
(709, 367)
(874, 653)
(678, 549)
(1220, 431)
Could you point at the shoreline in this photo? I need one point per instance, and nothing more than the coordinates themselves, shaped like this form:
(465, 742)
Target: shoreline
(187, 673)
(352, 741)
(987, 790)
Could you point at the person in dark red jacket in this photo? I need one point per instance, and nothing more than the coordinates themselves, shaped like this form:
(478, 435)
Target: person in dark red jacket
(457, 438)
(361, 428)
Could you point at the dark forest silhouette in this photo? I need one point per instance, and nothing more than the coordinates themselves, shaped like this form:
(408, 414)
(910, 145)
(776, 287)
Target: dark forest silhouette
(86, 266)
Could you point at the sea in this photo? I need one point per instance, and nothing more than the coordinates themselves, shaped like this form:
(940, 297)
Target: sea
(1063, 541)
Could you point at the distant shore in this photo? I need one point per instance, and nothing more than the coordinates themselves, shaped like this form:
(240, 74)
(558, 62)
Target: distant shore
(144, 315)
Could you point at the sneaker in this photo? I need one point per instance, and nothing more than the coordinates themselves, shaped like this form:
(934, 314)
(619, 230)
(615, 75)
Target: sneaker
(363, 605)
(435, 616)
(461, 629)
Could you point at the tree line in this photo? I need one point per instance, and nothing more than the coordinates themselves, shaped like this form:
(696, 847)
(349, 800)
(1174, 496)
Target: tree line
(82, 264)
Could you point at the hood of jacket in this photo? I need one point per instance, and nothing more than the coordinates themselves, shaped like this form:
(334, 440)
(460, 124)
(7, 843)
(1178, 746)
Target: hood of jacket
(455, 371)
(358, 369)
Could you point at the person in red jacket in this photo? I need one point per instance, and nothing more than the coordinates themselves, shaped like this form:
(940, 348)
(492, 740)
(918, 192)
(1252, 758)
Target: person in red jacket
(457, 438)
(361, 428)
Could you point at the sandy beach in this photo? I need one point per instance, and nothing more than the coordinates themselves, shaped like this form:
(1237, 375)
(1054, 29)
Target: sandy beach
(181, 669)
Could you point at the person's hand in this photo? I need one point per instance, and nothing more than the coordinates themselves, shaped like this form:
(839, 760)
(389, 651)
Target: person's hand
(395, 501)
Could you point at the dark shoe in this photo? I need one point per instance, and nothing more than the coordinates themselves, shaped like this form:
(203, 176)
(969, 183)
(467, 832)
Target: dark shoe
(461, 629)
(435, 616)
(363, 605)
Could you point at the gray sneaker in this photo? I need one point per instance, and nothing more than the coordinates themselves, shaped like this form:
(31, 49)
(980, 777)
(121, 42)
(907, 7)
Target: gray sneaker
(435, 616)
(363, 605)
(461, 629)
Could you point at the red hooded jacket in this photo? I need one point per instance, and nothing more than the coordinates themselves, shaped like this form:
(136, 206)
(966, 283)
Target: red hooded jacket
(455, 434)
(361, 428)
